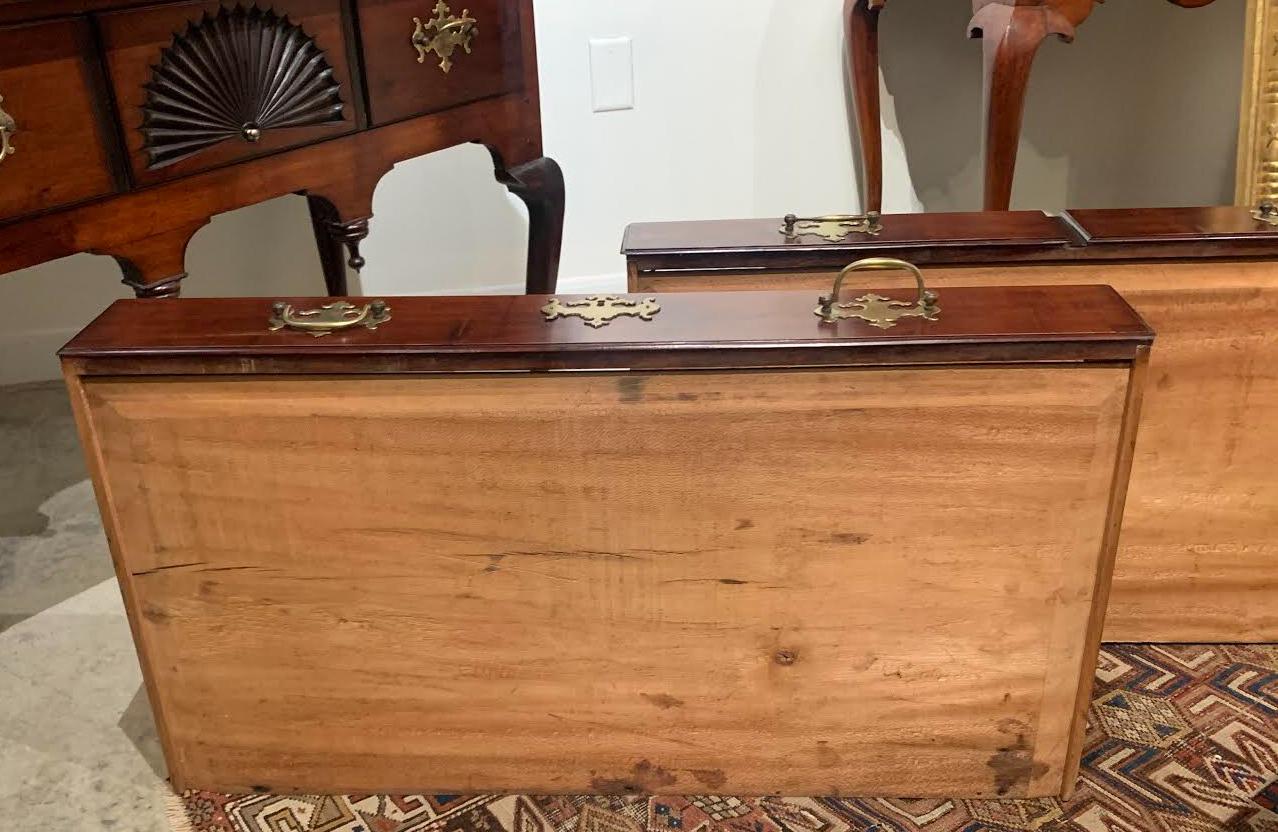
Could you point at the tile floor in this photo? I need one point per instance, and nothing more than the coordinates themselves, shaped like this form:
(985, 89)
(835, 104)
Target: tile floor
(78, 749)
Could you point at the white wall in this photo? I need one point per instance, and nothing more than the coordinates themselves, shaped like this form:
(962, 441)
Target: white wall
(740, 111)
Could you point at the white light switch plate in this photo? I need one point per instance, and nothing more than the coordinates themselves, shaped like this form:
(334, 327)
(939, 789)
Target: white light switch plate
(612, 77)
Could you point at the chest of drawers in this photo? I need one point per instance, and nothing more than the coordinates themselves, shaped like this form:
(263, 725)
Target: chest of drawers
(127, 125)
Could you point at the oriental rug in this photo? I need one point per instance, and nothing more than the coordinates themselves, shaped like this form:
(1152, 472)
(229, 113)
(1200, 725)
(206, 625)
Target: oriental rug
(1180, 739)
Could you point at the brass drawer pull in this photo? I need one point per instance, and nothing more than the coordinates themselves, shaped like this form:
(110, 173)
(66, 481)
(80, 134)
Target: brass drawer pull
(7, 128)
(330, 318)
(833, 228)
(877, 310)
(443, 34)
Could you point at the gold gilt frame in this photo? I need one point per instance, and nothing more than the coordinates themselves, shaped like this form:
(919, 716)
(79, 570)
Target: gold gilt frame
(1258, 120)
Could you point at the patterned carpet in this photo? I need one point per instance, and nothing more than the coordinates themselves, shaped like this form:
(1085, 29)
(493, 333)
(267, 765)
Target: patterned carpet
(1180, 739)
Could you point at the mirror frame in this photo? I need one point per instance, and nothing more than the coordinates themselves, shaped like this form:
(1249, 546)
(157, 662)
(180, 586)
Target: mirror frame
(1257, 176)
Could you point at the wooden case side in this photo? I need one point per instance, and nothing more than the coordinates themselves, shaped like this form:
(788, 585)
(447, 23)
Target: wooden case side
(86, 427)
(1105, 574)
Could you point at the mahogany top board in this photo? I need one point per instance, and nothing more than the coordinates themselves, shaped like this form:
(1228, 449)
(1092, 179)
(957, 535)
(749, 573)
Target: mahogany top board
(1215, 225)
(692, 330)
(916, 237)
(961, 238)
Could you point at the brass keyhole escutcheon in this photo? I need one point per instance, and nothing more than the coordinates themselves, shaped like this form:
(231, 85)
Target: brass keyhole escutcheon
(443, 34)
(7, 128)
(597, 311)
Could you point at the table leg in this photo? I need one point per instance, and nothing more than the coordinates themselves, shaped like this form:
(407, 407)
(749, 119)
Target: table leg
(862, 39)
(338, 243)
(155, 266)
(540, 184)
(332, 252)
(1012, 35)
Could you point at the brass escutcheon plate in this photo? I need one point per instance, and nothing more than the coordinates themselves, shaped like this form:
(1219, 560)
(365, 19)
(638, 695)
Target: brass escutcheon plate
(443, 34)
(600, 310)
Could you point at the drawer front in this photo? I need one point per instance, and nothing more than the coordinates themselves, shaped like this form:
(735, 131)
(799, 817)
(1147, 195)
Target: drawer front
(404, 81)
(58, 140)
(204, 84)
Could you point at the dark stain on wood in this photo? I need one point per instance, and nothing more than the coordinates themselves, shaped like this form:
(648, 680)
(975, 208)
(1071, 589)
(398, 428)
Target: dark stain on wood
(1014, 765)
(849, 538)
(733, 581)
(711, 778)
(155, 614)
(745, 523)
(494, 563)
(630, 388)
(645, 778)
(664, 701)
(826, 756)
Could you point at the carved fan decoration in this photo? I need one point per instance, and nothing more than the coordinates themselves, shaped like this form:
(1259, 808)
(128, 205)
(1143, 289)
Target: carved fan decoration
(235, 75)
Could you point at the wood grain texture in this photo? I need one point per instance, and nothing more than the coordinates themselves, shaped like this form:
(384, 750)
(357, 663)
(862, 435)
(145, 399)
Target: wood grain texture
(399, 87)
(63, 146)
(1089, 651)
(1199, 557)
(601, 583)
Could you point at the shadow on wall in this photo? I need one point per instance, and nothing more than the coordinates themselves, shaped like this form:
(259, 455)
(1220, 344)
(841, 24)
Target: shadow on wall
(1141, 110)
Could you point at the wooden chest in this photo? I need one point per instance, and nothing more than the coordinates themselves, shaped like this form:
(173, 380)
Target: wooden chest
(1198, 559)
(724, 546)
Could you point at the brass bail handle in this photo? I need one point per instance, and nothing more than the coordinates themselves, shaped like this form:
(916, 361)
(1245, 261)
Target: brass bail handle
(878, 264)
(327, 319)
